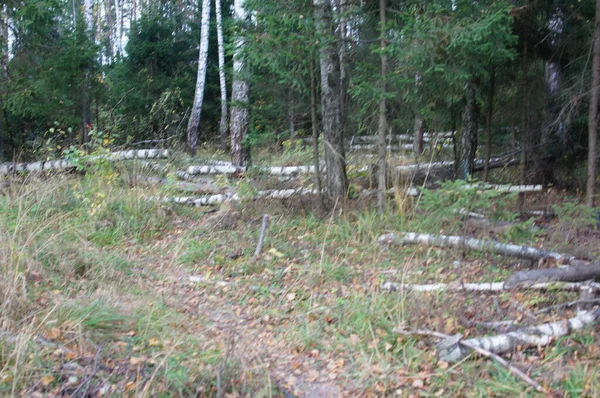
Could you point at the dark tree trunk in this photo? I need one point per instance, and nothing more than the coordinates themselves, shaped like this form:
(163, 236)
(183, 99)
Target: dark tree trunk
(419, 132)
(524, 124)
(468, 141)
(330, 99)
(593, 116)
(488, 124)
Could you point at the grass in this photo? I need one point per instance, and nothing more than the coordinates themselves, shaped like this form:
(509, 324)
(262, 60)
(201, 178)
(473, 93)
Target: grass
(95, 297)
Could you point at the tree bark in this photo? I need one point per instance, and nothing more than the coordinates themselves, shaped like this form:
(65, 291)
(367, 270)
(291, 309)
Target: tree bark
(451, 351)
(222, 79)
(464, 243)
(576, 273)
(194, 122)
(63, 164)
(419, 134)
(484, 287)
(488, 124)
(382, 128)
(330, 97)
(239, 117)
(524, 124)
(315, 132)
(593, 115)
(468, 142)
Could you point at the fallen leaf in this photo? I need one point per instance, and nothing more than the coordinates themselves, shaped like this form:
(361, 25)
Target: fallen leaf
(46, 380)
(418, 383)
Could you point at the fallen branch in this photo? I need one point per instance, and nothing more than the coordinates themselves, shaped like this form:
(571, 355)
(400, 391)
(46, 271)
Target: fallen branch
(461, 242)
(420, 169)
(482, 351)
(563, 306)
(574, 273)
(200, 279)
(261, 239)
(485, 287)
(63, 164)
(180, 185)
(455, 349)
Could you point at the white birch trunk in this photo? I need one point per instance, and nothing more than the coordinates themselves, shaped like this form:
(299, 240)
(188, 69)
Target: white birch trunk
(485, 287)
(56, 165)
(451, 350)
(231, 169)
(222, 198)
(194, 122)
(461, 242)
(239, 118)
(222, 81)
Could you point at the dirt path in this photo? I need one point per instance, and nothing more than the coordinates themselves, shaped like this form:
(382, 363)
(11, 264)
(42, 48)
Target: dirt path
(251, 342)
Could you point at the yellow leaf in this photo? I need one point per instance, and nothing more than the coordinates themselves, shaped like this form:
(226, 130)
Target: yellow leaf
(46, 380)
(276, 252)
(129, 386)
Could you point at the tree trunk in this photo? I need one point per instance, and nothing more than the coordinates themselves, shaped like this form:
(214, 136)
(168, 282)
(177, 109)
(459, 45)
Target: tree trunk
(382, 128)
(222, 80)
(194, 122)
(419, 134)
(524, 124)
(239, 120)
(4, 49)
(291, 115)
(315, 131)
(330, 99)
(468, 142)
(488, 124)
(342, 28)
(593, 116)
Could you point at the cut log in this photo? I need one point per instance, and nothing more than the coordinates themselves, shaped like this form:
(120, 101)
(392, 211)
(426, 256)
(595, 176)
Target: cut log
(182, 175)
(222, 198)
(180, 185)
(461, 242)
(229, 169)
(422, 169)
(63, 164)
(574, 273)
(485, 287)
(450, 350)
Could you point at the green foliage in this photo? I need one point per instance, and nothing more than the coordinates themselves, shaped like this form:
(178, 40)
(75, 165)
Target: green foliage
(444, 207)
(574, 216)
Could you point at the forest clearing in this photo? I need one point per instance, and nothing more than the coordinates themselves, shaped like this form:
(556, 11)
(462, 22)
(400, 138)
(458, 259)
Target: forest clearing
(334, 198)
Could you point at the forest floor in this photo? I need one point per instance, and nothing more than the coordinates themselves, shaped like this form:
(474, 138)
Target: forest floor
(98, 300)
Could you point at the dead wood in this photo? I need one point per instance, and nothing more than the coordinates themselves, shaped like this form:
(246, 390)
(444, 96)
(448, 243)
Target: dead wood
(485, 287)
(454, 349)
(482, 351)
(64, 165)
(466, 243)
(573, 273)
(261, 239)
(179, 185)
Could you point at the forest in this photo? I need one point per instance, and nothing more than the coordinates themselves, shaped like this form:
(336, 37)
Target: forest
(300, 198)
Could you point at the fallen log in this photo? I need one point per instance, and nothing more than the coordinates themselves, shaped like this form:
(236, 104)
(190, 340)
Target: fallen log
(454, 349)
(182, 175)
(422, 169)
(573, 273)
(505, 188)
(463, 343)
(228, 197)
(180, 185)
(230, 169)
(63, 164)
(427, 137)
(461, 242)
(486, 287)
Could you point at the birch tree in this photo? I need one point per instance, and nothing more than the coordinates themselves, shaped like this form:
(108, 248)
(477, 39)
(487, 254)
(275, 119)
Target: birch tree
(222, 80)
(382, 112)
(194, 121)
(240, 91)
